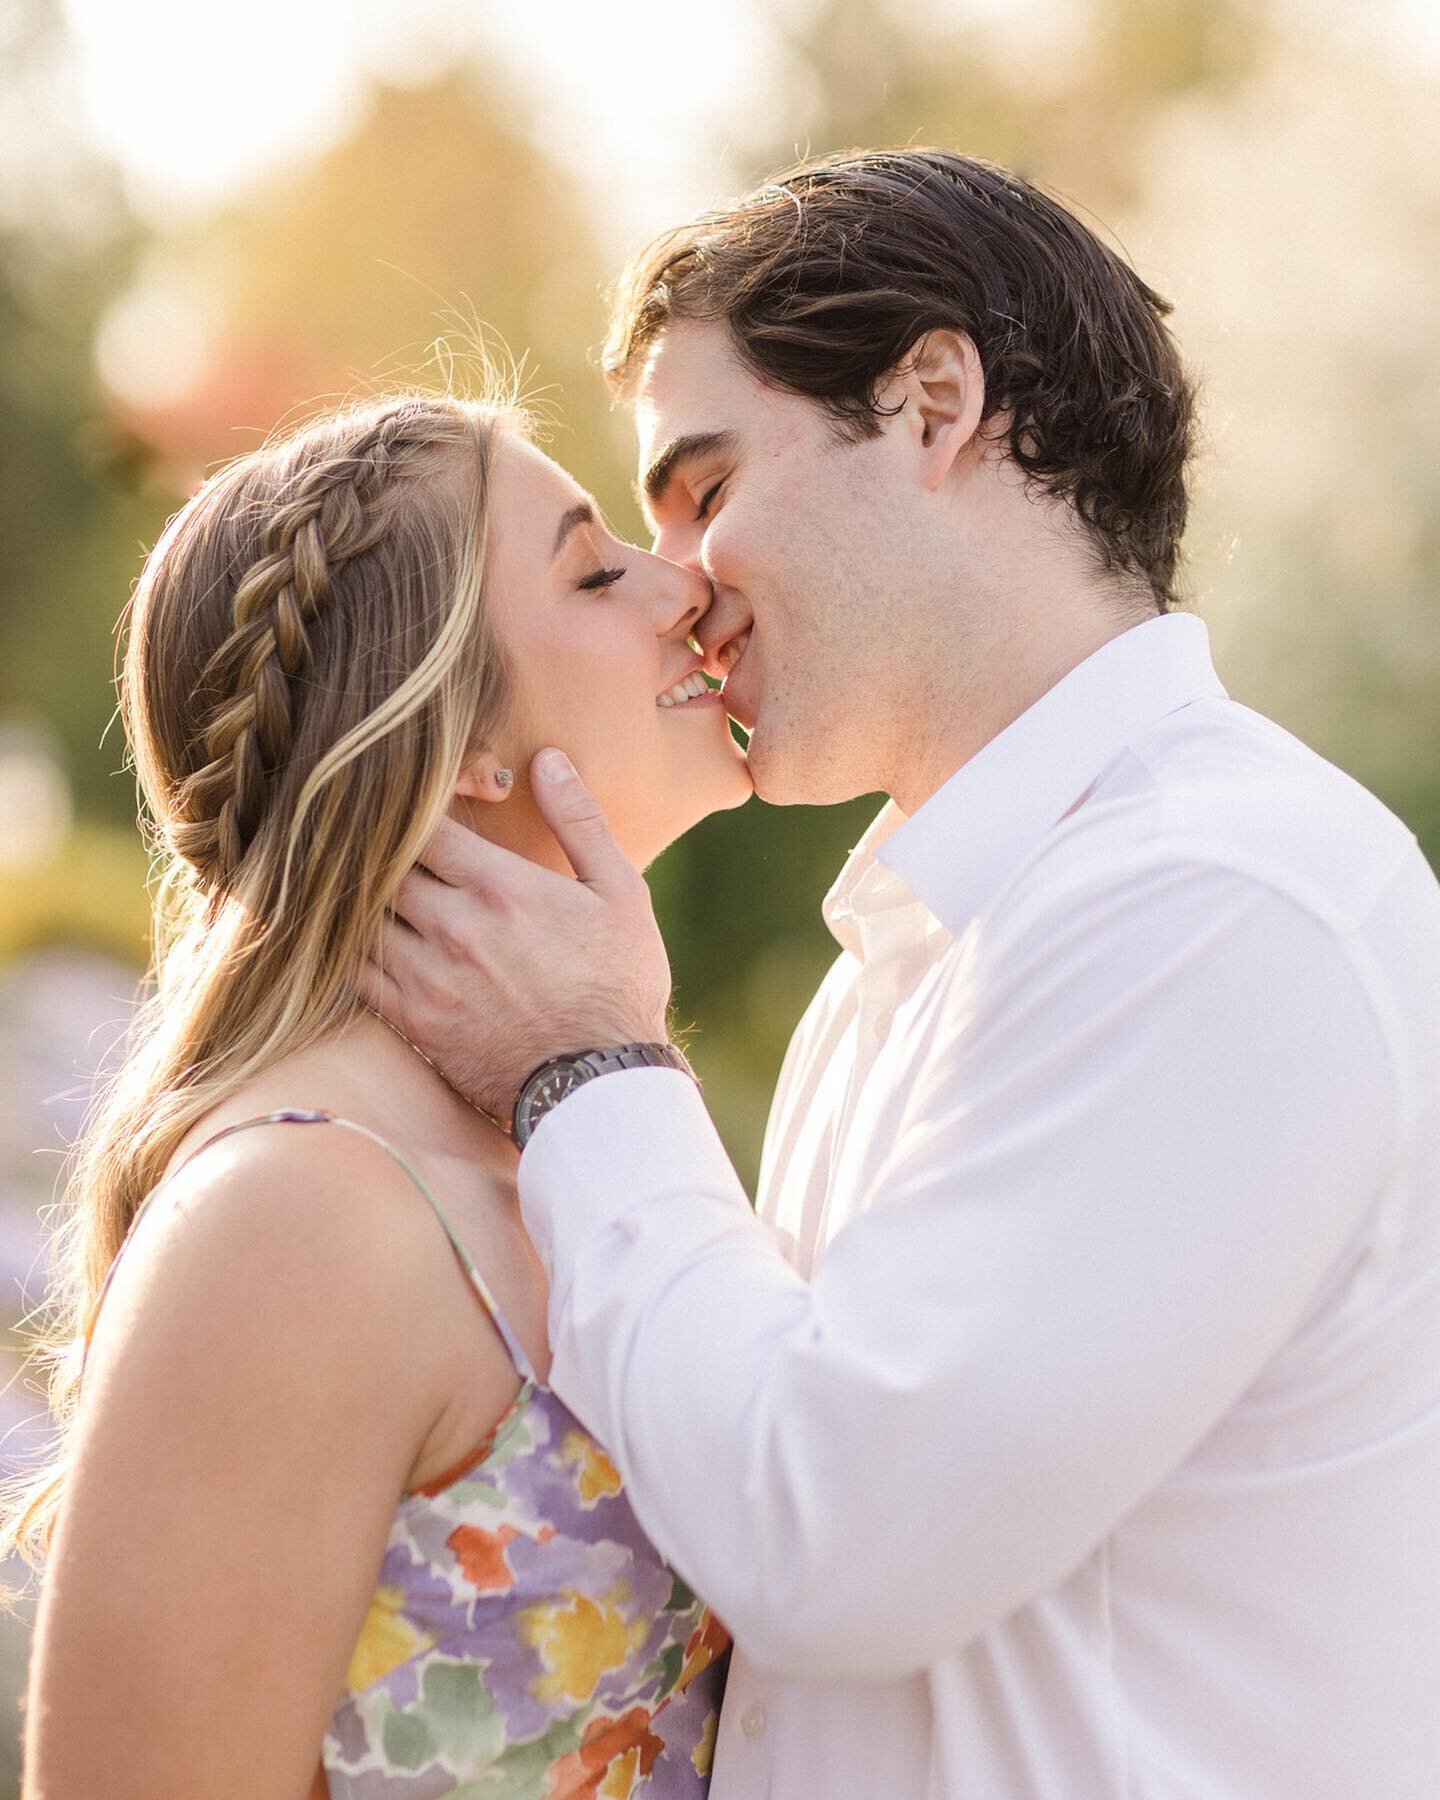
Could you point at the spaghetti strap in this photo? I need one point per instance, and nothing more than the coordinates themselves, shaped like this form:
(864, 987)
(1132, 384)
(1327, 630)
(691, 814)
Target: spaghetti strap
(291, 1115)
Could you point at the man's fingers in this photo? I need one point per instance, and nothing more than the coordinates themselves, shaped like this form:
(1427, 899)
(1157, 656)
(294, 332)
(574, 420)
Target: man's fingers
(573, 814)
(420, 900)
(377, 988)
(462, 858)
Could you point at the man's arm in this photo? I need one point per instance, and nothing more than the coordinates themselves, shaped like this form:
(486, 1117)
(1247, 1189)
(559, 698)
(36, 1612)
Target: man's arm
(1165, 1109)
(1159, 1110)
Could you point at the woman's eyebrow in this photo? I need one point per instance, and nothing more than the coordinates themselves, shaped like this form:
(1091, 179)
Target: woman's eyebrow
(662, 467)
(582, 513)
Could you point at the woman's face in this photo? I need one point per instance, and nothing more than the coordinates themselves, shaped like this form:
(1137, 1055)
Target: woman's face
(596, 633)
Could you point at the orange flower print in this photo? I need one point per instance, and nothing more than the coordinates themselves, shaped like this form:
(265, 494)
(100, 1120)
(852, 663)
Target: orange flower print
(708, 1640)
(481, 1554)
(597, 1476)
(614, 1755)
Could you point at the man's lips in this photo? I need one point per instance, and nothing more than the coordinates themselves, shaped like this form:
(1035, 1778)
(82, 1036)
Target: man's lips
(720, 659)
(732, 660)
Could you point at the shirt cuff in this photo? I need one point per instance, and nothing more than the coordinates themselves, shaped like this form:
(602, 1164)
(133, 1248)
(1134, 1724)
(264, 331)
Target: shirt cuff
(612, 1147)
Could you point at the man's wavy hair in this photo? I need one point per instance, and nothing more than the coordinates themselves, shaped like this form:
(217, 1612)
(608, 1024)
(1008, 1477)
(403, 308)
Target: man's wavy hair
(828, 276)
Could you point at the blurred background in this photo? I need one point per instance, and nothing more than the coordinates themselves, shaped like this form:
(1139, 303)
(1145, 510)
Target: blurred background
(210, 216)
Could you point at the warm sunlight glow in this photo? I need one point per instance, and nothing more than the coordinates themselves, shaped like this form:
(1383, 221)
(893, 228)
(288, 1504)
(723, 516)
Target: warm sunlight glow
(197, 102)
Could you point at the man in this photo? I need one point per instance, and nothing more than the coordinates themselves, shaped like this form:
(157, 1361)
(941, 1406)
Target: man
(1067, 1423)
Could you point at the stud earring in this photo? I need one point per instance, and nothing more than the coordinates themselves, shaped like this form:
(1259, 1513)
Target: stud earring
(504, 778)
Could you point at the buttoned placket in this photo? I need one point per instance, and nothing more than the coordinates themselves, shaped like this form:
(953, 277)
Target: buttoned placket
(893, 937)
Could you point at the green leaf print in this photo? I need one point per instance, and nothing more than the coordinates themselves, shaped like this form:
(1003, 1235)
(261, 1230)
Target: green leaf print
(461, 1714)
(407, 1741)
(667, 1666)
(453, 1718)
(523, 1772)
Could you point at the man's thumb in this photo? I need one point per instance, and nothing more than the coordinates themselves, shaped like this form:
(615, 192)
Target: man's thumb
(573, 813)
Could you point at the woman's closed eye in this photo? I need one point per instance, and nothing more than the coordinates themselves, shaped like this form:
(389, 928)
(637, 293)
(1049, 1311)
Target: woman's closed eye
(601, 578)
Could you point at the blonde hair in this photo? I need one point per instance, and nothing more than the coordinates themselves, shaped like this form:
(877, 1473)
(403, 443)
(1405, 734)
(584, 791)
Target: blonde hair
(309, 662)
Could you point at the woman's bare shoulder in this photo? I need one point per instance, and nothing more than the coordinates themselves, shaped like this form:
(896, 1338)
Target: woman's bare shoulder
(303, 1250)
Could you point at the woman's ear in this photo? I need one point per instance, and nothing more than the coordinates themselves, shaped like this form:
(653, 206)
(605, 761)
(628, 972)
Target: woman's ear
(484, 777)
(942, 386)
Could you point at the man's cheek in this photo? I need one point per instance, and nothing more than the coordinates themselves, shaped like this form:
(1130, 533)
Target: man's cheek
(732, 551)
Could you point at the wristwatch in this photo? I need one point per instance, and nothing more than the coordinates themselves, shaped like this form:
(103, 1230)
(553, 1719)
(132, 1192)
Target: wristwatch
(543, 1090)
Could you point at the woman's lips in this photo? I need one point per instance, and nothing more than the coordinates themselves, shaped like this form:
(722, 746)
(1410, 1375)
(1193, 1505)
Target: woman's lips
(711, 697)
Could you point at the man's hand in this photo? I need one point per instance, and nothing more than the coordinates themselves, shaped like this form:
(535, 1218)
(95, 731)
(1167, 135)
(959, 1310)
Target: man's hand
(491, 964)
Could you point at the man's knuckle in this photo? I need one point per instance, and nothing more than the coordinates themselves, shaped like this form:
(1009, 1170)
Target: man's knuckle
(503, 905)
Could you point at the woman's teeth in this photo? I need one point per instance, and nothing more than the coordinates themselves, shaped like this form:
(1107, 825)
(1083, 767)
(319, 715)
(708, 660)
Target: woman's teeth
(690, 688)
(733, 651)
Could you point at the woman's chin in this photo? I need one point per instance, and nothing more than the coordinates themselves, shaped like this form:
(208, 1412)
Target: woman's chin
(734, 790)
(643, 846)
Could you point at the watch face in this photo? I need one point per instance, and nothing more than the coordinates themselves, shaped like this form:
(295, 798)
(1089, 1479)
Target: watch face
(545, 1092)
(553, 1089)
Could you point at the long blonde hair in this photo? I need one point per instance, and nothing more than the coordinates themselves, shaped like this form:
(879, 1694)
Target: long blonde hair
(309, 661)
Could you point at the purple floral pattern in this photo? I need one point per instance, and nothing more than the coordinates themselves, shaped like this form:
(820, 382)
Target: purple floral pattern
(525, 1641)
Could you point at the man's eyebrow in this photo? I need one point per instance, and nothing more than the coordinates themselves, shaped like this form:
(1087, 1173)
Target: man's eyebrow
(582, 513)
(656, 478)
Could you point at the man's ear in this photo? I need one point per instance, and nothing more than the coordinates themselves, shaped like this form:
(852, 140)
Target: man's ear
(942, 386)
(484, 777)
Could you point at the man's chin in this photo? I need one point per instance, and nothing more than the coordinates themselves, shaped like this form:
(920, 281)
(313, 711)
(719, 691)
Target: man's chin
(779, 779)
(786, 775)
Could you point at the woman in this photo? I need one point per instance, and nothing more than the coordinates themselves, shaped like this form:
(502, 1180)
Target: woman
(319, 1527)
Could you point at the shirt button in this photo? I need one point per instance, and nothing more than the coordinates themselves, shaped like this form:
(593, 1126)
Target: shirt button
(752, 1721)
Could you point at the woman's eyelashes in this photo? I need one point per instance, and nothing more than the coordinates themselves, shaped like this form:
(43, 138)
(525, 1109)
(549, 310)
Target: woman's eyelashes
(601, 578)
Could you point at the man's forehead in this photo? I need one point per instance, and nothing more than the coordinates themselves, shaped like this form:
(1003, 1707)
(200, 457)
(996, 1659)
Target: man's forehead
(690, 374)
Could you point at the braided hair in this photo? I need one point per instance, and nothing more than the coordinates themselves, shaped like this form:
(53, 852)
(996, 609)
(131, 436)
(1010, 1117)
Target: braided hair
(309, 662)
(324, 515)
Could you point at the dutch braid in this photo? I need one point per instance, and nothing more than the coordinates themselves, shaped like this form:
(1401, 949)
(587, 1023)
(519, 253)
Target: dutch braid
(333, 514)
(270, 737)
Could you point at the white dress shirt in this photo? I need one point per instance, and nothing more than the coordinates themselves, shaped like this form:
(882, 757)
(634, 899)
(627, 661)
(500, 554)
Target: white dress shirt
(1067, 1424)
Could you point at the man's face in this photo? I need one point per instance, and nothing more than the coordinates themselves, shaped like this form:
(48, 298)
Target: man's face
(808, 543)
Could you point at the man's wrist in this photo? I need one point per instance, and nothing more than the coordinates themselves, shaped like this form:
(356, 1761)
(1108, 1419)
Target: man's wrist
(558, 1077)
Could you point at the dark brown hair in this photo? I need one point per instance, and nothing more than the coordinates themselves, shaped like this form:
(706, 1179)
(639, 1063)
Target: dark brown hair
(828, 275)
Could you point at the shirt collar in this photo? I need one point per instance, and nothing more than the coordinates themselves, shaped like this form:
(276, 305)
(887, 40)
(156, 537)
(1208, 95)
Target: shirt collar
(958, 847)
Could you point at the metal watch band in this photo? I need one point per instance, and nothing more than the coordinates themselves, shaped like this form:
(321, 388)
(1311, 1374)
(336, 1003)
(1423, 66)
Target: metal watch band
(634, 1056)
(532, 1103)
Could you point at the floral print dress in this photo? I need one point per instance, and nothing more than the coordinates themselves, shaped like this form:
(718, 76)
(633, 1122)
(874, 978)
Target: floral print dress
(525, 1640)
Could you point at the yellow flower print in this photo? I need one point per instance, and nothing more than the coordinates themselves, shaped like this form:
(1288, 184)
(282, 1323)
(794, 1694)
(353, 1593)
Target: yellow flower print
(579, 1641)
(619, 1783)
(598, 1477)
(708, 1640)
(387, 1639)
(704, 1752)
